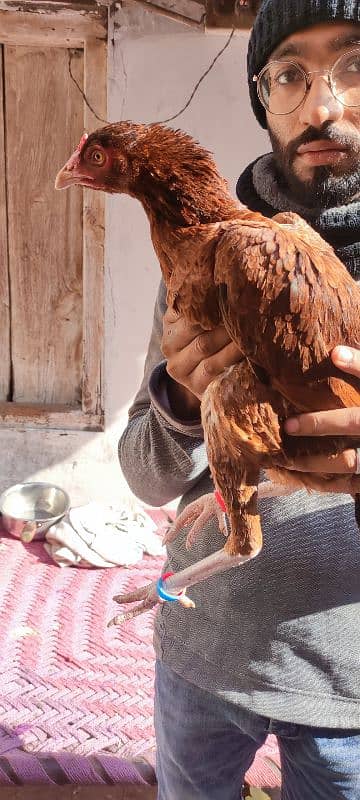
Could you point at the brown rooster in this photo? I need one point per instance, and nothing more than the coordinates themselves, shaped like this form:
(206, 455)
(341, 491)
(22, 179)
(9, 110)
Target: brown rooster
(283, 296)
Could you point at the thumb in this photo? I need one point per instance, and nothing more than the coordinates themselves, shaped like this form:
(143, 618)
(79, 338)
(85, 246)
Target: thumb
(347, 359)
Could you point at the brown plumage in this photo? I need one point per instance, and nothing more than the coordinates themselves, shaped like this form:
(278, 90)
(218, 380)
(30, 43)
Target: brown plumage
(284, 297)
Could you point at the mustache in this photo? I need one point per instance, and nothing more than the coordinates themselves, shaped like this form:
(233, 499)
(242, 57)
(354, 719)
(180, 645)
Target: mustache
(326, 133)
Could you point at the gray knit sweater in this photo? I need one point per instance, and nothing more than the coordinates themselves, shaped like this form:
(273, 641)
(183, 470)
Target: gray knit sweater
(281, 634)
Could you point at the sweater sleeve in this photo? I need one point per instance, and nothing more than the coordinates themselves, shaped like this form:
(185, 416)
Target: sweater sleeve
(161, 457)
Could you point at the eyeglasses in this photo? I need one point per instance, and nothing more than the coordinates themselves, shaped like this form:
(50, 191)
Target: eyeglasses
(283, 85)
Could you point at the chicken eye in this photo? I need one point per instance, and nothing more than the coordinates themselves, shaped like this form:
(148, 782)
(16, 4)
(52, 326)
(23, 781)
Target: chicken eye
(97, 157)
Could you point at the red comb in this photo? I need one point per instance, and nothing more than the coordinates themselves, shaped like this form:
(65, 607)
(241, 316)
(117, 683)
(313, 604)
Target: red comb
(83, 139)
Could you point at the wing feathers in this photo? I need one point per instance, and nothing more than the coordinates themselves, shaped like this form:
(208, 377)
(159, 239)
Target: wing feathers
(302, 296)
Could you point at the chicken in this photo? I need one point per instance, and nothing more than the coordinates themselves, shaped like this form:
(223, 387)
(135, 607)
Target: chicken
(284, 298)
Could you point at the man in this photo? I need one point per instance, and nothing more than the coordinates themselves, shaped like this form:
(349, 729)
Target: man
(273, 646)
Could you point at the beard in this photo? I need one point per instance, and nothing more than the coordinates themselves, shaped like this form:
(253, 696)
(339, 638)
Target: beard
(330, 185)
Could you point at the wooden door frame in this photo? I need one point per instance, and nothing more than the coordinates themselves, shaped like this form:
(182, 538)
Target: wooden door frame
(86, 30)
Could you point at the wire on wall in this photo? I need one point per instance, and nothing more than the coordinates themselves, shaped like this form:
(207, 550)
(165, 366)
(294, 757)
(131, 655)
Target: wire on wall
(178, 113)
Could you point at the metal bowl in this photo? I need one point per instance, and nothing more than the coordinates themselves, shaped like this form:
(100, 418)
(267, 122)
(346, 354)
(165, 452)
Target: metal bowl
(29, 509)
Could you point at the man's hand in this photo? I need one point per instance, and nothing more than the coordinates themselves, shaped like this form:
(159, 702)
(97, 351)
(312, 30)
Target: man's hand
(343, 422)
(194, 358)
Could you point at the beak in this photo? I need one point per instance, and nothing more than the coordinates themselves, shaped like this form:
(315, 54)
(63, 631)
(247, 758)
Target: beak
(70, 174)
(66, 178)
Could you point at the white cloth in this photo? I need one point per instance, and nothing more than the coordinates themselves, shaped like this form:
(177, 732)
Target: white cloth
(97, 536)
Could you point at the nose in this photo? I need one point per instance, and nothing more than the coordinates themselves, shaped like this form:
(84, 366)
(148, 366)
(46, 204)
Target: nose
(320, 105)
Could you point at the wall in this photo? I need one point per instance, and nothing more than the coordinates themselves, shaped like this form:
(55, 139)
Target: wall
(154, 64)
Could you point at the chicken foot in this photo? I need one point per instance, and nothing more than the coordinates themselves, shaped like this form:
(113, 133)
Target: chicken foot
(196, 515)
(202, 509)
(176, 585)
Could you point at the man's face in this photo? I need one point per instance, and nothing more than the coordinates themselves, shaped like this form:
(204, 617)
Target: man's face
(316, 175)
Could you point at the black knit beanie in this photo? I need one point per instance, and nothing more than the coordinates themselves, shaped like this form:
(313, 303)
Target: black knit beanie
(278, 19)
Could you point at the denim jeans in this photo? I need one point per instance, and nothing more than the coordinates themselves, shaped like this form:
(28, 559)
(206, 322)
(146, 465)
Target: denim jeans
(205, 745)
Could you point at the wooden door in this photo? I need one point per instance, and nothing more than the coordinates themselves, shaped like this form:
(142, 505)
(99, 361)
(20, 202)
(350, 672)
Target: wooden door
(43, 123)
(53, 74)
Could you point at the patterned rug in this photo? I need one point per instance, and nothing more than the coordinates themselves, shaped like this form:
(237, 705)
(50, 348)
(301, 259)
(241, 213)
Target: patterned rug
(70, 686)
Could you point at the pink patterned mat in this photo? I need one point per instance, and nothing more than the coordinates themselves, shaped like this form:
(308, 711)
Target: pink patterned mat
(70, 686)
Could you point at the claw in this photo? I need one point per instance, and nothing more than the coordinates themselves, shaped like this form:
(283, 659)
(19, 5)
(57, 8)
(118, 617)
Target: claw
(187, 517)
(119, 619)
(211, 509)
(149, 597)
(147, 594)
(197, 514)
(143, 593)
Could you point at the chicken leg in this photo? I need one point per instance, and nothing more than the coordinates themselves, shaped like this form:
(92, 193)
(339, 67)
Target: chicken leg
(240, 417)
(220, 561)
(242, 527)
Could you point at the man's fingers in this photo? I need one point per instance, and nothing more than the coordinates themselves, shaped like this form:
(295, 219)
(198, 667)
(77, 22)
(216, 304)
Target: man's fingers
(181, 334)
(211, 367)
(343, 464)
(200, 350)
(342, 421)
(182, 362)
(177, 333)
(196, 373)
(347, 359)
(329, 482)
(345, 421)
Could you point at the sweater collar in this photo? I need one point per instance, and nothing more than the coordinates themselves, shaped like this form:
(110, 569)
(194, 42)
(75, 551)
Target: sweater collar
(259, 189)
